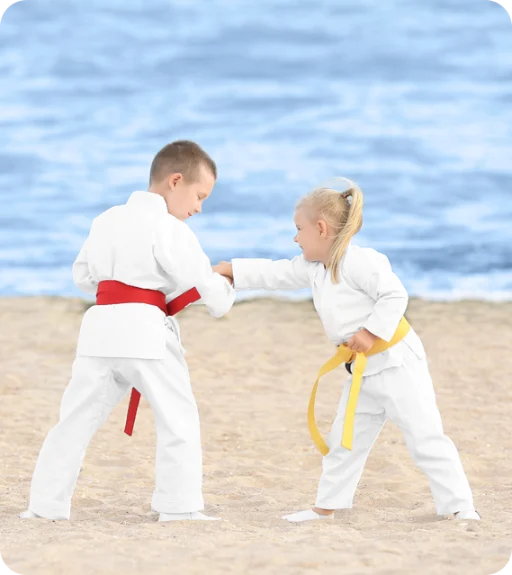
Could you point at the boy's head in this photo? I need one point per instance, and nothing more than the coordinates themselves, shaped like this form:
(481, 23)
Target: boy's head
(184, 175)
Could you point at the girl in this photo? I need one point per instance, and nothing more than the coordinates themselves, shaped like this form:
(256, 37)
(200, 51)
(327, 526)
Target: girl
(361, 304)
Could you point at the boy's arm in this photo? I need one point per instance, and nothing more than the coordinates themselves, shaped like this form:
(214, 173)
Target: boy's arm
(81, 274)
(179, 253)
(371, 272)
(255, 273)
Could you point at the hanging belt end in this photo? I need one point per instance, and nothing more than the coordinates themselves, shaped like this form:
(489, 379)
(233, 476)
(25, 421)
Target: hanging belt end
(347, 444)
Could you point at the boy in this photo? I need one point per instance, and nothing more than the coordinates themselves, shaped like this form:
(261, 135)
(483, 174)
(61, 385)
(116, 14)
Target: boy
(137, 258)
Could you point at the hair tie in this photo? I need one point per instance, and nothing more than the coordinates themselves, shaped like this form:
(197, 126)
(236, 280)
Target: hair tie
(347, 196)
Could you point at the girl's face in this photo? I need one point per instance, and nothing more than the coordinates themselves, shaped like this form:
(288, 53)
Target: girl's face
(313, 237)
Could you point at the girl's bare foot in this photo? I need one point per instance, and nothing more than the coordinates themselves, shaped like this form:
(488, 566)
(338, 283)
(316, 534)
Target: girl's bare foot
(321, 511)
(309, 515)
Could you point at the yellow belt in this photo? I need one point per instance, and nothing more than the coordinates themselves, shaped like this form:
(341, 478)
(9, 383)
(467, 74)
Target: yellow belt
(345, 355)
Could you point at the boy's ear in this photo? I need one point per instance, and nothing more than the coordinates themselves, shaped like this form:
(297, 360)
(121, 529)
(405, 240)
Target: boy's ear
(173, 179)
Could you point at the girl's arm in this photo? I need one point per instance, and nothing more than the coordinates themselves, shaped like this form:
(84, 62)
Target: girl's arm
(371, 272)
(256, 273)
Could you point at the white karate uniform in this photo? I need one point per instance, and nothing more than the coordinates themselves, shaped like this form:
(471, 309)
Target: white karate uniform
(396, 383)
(133, 345)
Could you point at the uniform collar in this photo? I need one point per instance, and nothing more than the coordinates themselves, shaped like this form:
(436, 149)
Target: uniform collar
(148, 200)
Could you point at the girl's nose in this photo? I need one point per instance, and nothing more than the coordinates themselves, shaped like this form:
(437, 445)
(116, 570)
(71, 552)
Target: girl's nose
(295, 238)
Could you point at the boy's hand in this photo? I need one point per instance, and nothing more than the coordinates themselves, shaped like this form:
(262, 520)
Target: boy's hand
(362, 341)
(224, 269)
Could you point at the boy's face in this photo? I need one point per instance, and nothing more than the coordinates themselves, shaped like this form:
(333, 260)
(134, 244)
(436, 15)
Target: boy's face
(312, 236)
(183, 198)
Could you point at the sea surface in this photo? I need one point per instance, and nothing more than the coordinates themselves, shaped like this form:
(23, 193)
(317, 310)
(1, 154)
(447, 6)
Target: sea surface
(412, 99)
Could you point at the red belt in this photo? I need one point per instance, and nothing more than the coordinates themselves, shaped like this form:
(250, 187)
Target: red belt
(113, 292)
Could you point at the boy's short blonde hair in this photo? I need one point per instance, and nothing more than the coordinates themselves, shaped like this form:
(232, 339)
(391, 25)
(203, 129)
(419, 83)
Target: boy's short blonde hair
(184, 157)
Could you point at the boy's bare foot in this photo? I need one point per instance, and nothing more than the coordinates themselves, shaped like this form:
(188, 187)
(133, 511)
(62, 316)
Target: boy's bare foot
(467, 515)
(31, 515)
(192, 516)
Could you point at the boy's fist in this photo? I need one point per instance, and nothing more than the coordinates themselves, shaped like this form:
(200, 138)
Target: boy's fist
(224, 269)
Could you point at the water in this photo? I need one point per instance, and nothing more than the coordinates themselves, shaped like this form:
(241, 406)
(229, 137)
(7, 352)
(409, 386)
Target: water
(413, 100)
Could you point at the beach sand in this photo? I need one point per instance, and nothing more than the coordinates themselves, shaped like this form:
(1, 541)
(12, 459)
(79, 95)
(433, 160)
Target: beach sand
(252, 373)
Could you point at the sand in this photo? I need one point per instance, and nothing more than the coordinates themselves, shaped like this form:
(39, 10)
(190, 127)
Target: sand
(252, 387)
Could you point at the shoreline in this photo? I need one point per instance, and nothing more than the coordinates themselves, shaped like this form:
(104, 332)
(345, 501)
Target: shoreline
(271, 297)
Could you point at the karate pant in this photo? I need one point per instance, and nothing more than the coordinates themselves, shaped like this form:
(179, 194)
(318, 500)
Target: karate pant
(97, 385)
(406, 396)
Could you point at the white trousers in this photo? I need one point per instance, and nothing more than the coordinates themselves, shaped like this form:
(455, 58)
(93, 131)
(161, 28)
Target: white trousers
(97, 385)
(406, 396)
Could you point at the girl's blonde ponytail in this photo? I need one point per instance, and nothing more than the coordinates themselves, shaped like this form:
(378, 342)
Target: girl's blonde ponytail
(342, 211)
(353, 197)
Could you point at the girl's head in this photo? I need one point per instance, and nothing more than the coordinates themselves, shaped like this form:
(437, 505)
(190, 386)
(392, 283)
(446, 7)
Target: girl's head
(326, 220)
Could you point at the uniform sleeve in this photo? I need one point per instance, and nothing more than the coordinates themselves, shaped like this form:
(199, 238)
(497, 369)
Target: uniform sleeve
(180, 255)
(81, 273)
(371, 272)
(256, 273)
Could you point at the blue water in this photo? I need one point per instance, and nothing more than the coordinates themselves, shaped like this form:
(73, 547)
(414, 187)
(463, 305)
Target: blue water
(412, 99)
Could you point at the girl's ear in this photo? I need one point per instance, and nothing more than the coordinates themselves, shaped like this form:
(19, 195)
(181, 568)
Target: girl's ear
(322, 228)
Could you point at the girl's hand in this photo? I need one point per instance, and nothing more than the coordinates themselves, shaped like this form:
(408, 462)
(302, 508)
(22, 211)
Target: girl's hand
(362, 341)
(224, 269)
